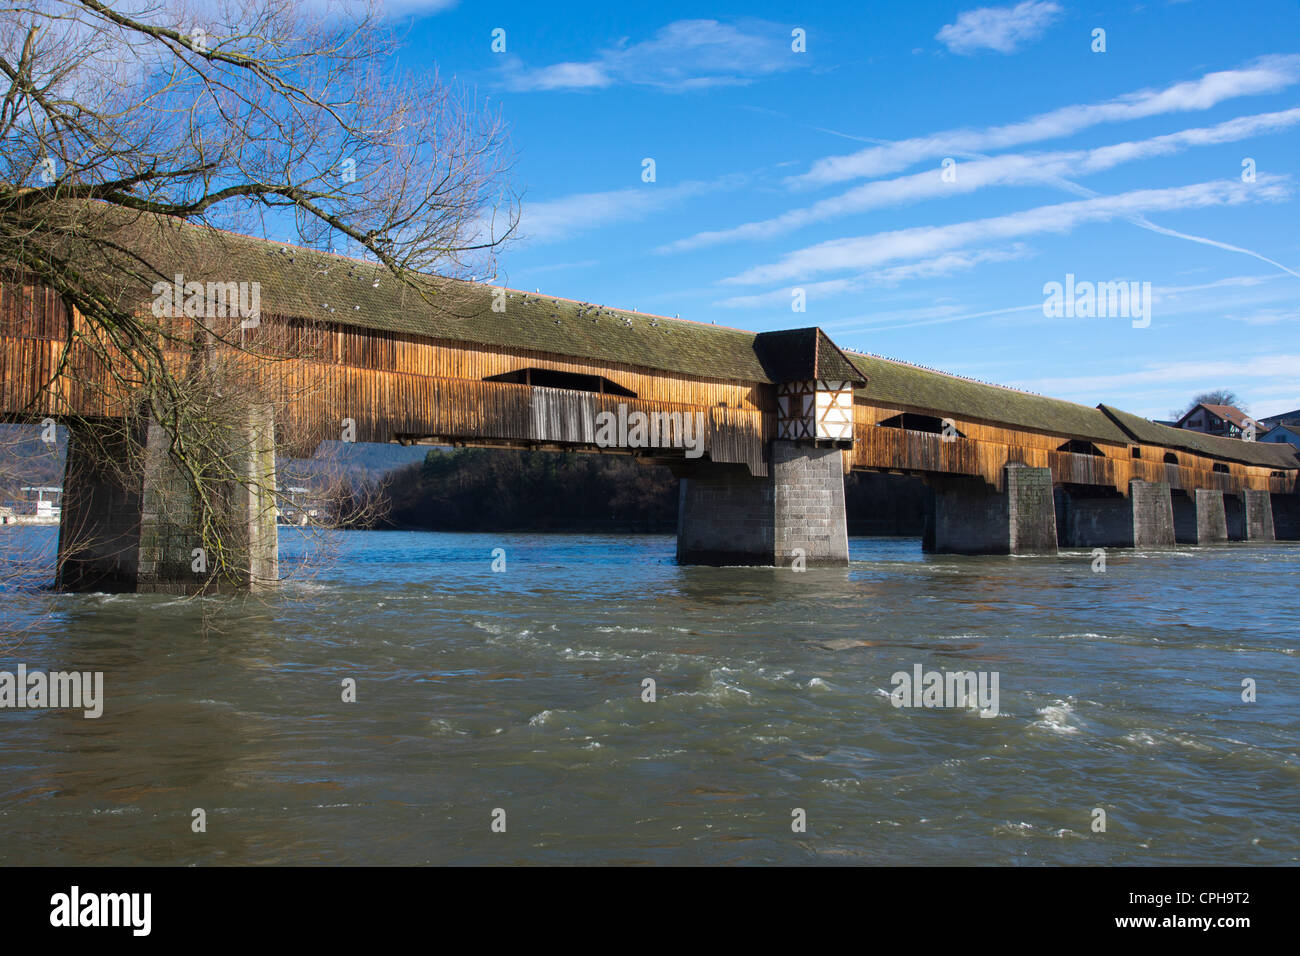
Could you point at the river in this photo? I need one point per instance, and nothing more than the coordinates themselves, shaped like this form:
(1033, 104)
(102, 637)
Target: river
(517, 697)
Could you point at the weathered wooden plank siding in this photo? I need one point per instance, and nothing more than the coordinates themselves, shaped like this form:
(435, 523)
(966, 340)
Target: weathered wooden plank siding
(388, 351)
(985, 449)
(386, 406)
(387, 385)
(390, 386)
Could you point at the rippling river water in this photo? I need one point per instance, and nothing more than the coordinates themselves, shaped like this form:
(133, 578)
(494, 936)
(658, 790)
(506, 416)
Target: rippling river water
(522, 690)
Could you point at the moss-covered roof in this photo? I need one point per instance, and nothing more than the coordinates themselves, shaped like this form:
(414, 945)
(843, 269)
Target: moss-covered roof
(309, 284)
(892, 383)
(1146, 432)
(304, 283)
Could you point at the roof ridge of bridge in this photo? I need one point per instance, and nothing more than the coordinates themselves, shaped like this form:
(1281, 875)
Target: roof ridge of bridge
(963, 378)
(319, 284)
(584, 302)
(433, 275)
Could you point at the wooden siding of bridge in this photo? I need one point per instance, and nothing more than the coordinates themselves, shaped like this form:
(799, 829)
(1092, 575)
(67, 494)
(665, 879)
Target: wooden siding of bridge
(395, 386)
(386, 385)
(388, 351)
(984, 450)
(388, 406)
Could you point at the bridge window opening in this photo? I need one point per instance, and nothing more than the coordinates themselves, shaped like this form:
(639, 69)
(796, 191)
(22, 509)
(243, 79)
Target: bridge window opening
(1277, 474)
(1171, 458)
(1077, 446)
(575, 381)
(921, 423)
(1221, 468)
(1135, 451)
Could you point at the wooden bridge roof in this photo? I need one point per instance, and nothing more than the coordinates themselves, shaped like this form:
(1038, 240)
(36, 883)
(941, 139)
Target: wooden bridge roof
(891, 383)
(1145, 432)
(307, 284)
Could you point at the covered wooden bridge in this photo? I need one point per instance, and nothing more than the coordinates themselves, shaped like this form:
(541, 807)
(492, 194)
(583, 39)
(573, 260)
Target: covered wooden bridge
(773, 420)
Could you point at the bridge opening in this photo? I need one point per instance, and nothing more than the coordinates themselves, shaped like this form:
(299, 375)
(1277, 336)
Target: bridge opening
(1135, 452)
(1076, 446)
(884, 505)
(1171, 458)
(501, 489)
(1221, 468)
(910, 421)
(550, 378)
(508, 489)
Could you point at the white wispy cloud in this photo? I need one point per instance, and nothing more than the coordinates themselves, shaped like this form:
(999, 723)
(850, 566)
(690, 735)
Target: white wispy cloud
(385, 8)
(933, 268)
(1012, 169)
(416, 7)
(911, 318)
(1266, 75)
(567, 216)
(1234, 372)
(684, 55)
(1002, 29)
(561, 267)
(947, 264)
(558, 76)
(777, 298)
(866, 252)
(1267, 380)
(1227, 282)
(1266, 316)
(1169, 300)
(936, 267)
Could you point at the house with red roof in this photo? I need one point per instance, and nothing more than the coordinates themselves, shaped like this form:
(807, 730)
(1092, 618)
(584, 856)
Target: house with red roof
(1226, 420)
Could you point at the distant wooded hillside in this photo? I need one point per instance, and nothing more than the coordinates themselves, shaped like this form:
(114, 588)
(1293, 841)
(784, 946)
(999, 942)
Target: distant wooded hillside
(480, 489)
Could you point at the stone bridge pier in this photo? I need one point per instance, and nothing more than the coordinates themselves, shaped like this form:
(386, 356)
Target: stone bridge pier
(1250, 516)
(1199, 517)
(1103, 518)
(969, 516)
(726, 516)
(128, 521)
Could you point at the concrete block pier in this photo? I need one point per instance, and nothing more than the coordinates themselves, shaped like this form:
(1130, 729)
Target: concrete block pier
(726, 516)
(972, 517)
(1093, 518)
(129, 522)
(1199, 517)
(1250, 516)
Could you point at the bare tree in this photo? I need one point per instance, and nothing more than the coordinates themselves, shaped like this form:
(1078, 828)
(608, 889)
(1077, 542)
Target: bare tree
(268, 117)
(1219, 396)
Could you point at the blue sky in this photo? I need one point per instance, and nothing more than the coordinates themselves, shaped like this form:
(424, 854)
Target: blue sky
(822, 170)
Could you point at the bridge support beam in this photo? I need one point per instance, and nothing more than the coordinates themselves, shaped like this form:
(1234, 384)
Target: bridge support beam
(1286, 516)
(726, 516)
(971, 517)
(1142, 519)
(1199, 517)
(129, 523)
(1250, 516)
